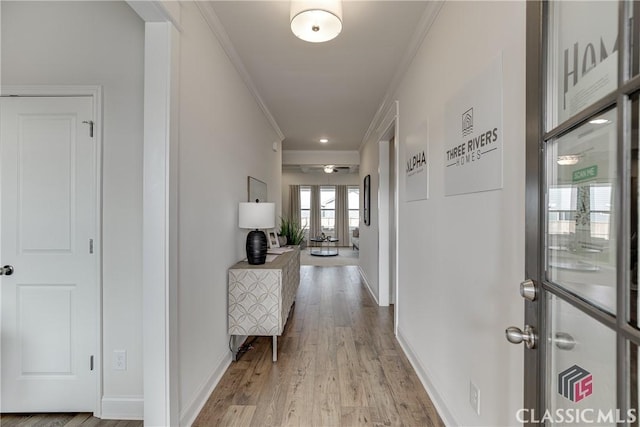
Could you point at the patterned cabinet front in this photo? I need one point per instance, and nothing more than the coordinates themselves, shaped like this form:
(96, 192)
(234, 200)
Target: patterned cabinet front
(260, 297)
(291, 282)
(255, 302)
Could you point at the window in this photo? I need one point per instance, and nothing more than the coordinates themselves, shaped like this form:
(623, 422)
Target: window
(562, 210)
(305, 208)
(328, 210)
(353, 194)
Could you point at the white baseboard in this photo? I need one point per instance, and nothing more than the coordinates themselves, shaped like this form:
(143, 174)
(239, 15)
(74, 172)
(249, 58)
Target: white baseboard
(438, 401)
(364, 279)
(191, 411)
(122, 408)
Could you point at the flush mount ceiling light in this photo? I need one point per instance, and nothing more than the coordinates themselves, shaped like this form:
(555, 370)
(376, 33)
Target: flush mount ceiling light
(568, 160)
(316, 21)
(324, 140)
(599, 121)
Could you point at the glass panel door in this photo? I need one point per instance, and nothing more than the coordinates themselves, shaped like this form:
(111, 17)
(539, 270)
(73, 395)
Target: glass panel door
(581, 302)
(581, 367)
(582, 56)
(581, 180)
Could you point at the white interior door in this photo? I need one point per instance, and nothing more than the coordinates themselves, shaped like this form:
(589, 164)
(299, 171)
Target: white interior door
(48, 225)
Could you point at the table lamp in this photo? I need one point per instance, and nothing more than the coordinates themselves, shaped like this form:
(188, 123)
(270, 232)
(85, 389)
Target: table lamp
(256, 216)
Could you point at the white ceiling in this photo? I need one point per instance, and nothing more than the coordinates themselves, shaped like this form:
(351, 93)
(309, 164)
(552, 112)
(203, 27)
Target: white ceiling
(331, 89)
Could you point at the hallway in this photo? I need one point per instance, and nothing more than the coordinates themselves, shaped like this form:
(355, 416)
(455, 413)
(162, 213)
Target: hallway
(338, 364)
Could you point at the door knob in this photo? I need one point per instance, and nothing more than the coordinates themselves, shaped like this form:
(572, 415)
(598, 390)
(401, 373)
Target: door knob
(7, 270)
(516, 336)
(564, 341)
(528, 290)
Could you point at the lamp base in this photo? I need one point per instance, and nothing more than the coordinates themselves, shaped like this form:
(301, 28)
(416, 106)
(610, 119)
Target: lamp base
(256, 247)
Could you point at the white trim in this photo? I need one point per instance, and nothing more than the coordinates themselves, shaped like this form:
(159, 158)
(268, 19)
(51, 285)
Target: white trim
(51, 90)
(95, 92)
(122, 408)
(387, 129)
(438, 402)
(155, 11)
(389, 120)
(396, 218)
(383, 222)
(366, 283)
(223, 38)
(426, 21)
(161, 371)
(159, 262)
(189, 415)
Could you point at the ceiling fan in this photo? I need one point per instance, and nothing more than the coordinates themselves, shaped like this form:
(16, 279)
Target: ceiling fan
(335, 169)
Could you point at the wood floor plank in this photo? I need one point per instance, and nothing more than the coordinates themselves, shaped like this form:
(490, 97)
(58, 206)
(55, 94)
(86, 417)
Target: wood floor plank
(78, 420)
(349, 370)
(254, 377)
(356, 416)
(299, 402)
(326, 399)
(339, 365)
(62, 420)
(405, 390)
(238, 416)
(273, 396)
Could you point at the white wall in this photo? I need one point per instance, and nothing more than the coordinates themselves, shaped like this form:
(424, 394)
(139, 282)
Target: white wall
(299, 178)
(97, 43)
(369, 233)
(224, 137)
(461, 258)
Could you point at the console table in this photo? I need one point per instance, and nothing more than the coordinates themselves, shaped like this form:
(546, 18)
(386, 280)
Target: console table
(261, 296)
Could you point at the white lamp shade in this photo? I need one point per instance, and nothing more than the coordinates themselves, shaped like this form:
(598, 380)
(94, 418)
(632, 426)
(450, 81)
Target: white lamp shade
(316, 21)
(257, 215)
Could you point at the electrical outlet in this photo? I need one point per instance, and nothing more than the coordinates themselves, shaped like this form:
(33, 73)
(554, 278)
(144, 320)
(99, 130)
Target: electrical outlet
(120, 360)
(474, 397)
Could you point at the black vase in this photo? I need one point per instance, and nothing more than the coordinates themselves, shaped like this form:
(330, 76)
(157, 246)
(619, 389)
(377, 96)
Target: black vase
(256, 247)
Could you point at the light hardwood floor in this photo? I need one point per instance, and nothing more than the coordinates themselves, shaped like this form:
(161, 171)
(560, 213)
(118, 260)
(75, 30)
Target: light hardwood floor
(61, 420)
(339, 364)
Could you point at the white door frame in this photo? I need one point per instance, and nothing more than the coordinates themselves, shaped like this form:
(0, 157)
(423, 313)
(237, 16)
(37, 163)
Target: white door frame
(387, 130)
(95, 92)
(159, 216)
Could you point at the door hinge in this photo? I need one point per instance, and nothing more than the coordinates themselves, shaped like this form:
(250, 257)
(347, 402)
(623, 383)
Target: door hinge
(90, 123)
(91, 362)
(90, 246)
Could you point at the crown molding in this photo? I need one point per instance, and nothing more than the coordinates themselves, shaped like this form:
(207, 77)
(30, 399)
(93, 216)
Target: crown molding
(221, 34)
(426, 21)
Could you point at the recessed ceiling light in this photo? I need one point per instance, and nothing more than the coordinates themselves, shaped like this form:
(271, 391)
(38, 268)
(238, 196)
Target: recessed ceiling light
(599, 121)
(324, 140)
(568, 160)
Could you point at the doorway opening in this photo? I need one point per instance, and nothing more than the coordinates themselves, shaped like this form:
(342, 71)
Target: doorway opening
(388, 211)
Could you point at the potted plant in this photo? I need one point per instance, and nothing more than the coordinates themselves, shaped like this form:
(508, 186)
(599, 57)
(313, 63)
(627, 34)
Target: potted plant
(292, 231)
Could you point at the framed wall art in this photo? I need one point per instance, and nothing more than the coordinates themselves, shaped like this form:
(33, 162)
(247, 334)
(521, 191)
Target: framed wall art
(366, 213)
(257, 190)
